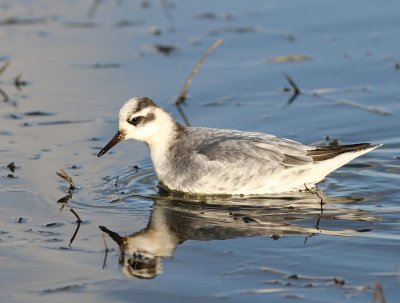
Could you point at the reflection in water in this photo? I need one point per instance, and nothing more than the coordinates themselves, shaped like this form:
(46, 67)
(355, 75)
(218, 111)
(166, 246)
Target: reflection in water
(174, 220)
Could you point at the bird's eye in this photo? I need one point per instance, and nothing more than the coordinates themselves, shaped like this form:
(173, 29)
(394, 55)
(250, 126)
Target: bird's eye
(135, 120)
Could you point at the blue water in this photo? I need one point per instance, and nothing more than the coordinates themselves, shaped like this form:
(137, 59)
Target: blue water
(80, 64)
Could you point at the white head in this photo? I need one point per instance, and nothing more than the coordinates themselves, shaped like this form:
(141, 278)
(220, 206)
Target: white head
(141, 119)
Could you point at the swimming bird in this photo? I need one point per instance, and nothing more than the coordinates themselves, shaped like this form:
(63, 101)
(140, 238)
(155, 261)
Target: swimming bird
(210, 161)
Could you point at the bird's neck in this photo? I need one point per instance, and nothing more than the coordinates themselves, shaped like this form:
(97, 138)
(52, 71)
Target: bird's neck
(161, 145)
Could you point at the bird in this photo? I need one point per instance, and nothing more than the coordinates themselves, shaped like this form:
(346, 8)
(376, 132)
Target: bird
(210, 161)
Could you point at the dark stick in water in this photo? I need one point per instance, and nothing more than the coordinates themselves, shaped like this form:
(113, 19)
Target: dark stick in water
(182, 95)
(78, 221)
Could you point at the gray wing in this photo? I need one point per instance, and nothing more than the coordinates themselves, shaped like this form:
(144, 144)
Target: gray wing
(253, 149)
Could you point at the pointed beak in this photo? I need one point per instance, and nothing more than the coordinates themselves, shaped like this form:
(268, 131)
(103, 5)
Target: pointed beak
(116, 237)
(119, 136)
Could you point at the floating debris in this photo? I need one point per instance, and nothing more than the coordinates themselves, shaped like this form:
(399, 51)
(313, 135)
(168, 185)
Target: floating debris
(75, 166)
(378, 297)
(4, 67)
(331, 141)
(21, 21)
(61, 289)
(295, 90)
(12, 167)
(16, 116)
(206, 16)
(4, 95)
(128, 23)
(241, 29)
(78, 221)
(21, 220)
(53, 224)
(64, 200)
(165, 49)
(182, 95)
(38, 114)
(63, 174)
(371, 109)
(19, 83)
(290, 58)
(62, 122)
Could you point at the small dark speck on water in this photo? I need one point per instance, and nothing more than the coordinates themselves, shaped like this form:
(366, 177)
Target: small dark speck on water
(247, 219)
(165, 49)
(11, 167)
(364, 230)
(38, 113)
(275, 237)
(241, 29)
(61, 289)
(339, 281)
(63, 248)
(21, 220)
(19, 82)
(19, 21)
(53, 224)
(293, 277)
(75, 166)
(11, 176)
(397, 66)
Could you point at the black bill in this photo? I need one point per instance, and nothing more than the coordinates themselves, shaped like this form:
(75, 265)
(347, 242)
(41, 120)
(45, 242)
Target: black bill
(119, 136)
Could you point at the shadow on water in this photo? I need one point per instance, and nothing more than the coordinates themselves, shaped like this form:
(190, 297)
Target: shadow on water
(174, 220)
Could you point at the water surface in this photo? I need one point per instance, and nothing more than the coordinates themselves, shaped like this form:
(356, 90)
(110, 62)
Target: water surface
(71, 66)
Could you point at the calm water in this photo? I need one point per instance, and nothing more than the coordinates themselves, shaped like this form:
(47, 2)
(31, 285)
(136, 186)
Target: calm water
(71, 66)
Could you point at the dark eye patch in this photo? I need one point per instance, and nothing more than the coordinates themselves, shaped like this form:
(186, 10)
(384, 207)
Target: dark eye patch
(136, 120)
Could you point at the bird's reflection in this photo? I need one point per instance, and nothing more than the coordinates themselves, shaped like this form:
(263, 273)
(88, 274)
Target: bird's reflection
(175, 220)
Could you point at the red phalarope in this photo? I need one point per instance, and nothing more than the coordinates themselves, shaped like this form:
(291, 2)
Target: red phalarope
(217, 161)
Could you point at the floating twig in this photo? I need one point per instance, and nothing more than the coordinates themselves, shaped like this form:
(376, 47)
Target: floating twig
(294, 89)
(76, 215)
(116, 185)
(314, 192)
(4, 67)
(378, 294)
(182, 95)
(18, 82)
(63, 174)
(371, 109)
(78, 221)
(106, 250)
(4, 95)
(11, 167)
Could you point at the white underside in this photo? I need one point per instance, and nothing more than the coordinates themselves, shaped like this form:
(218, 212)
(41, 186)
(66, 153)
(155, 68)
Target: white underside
(287, 180)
